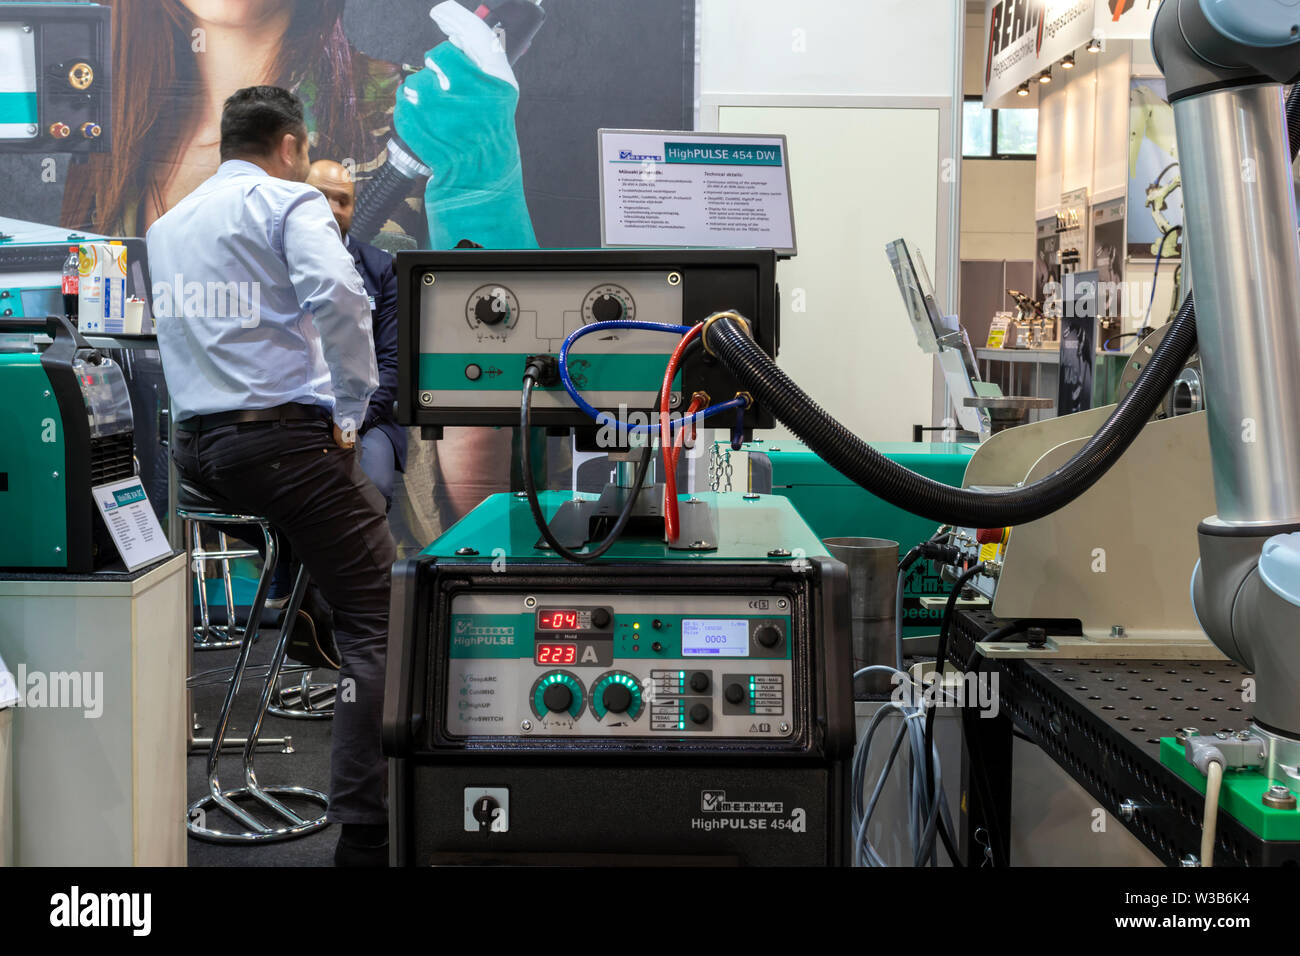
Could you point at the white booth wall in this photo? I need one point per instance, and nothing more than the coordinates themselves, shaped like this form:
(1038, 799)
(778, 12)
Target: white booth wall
(866, 94)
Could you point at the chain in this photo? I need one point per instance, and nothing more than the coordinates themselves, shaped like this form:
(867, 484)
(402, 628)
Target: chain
(721, 469)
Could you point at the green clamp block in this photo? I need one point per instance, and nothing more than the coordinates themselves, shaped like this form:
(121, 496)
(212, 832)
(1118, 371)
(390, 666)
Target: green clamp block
(1241, 796)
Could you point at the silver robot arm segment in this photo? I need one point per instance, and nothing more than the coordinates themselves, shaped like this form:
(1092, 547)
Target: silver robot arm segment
(1224, 65)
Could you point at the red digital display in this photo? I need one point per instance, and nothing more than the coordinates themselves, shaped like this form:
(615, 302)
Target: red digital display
(557, 621)
(557, 653)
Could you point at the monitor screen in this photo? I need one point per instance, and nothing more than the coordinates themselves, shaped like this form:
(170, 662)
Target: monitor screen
(918, 294)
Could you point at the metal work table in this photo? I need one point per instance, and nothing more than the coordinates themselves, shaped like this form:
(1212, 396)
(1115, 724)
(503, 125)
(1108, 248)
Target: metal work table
(1101, 721)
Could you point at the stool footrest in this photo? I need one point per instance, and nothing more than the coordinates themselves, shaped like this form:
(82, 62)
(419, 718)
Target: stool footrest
(291, 824)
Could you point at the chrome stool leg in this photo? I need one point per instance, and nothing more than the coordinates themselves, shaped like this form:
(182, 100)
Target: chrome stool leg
(209, 636)
(291, 823)
(305, 700)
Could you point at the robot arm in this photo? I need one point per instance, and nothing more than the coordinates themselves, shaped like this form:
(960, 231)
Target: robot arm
(1223, 63)
(1202, 45)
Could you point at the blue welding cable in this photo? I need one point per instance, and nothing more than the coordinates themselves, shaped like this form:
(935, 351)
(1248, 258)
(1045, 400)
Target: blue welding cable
(606, 418)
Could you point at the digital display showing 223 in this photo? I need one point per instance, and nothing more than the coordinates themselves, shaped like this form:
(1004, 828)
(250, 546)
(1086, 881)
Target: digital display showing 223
(556, 653)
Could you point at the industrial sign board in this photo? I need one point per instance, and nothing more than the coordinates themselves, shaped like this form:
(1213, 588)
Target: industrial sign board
(1024, 37)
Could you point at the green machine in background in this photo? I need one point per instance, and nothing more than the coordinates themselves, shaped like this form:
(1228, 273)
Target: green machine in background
(66, 417)
(835, 507)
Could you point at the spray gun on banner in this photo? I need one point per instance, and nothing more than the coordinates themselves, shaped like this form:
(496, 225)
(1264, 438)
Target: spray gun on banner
(515, 22)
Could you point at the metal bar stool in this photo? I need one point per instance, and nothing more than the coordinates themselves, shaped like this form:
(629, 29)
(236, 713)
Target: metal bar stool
(209, 636)
(195, 505)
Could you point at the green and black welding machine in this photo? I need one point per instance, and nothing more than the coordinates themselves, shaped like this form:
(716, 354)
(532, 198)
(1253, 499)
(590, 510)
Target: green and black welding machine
(66, 417)
(568, 682)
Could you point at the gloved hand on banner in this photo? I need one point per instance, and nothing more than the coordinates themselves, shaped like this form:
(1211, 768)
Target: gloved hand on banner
(458, 115)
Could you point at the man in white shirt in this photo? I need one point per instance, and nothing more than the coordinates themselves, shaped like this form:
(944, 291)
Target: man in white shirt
(264, 329)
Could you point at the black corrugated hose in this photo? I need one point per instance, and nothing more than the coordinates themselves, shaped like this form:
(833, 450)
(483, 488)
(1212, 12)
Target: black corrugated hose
(861, 463)
(886, 479)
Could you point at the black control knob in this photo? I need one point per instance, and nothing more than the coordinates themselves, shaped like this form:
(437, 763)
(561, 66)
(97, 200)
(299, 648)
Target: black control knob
(699, 714)
(769, 635)
(485, 807)
(616, 698)
(490, 311)
(699, 682)
(600, 618)
(735, 693)
(607, 308)
(557, 698)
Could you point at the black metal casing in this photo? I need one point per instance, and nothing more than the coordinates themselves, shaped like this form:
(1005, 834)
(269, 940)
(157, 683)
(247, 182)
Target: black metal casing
(594, 800)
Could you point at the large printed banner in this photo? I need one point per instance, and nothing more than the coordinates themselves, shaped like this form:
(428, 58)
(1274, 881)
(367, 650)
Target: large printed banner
(504, 113)
(504, 130)
(1025, 37)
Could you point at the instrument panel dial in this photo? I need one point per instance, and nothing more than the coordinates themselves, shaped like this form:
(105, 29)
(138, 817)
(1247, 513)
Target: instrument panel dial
(492, 307)
(617, 694)
(608, 303)
(557, 694)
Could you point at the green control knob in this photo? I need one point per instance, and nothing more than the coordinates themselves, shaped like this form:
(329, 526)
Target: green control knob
(557, 693)
(618, 693)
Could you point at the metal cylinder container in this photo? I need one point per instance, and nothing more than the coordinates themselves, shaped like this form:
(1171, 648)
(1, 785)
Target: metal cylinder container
(873, 583)
(1240, 215)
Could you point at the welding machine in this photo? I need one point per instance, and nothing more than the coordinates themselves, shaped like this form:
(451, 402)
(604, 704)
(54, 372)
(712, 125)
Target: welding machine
(649, 709)
(67, 419)
(686, 699)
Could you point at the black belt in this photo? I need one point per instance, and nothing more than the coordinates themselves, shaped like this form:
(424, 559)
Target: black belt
(292, 412)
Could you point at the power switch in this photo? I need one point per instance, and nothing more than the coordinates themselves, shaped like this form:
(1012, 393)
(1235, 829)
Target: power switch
(487, 810)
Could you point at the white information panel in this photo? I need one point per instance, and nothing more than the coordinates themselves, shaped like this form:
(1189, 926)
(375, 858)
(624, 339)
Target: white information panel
(698, 190)
(132, 522)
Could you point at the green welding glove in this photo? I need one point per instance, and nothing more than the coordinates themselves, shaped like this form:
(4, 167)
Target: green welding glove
(458, 116)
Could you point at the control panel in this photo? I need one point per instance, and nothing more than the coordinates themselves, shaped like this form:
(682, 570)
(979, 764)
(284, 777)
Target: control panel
(509, 316)
(469, 320)
(603, 665)
(57, 94)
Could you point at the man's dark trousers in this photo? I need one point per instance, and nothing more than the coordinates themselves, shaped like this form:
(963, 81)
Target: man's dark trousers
(315, 494)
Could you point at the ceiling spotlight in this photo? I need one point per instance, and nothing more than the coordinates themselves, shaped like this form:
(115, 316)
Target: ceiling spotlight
(1045, 76)
(1023, 89)
(1094, 45)
(1067, 63)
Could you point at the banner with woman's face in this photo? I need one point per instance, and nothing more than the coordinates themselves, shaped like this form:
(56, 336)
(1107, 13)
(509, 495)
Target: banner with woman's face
(509, 136)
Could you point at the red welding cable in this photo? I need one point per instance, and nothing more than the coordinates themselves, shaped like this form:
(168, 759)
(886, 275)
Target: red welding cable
(671, 457)
(665, 433)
